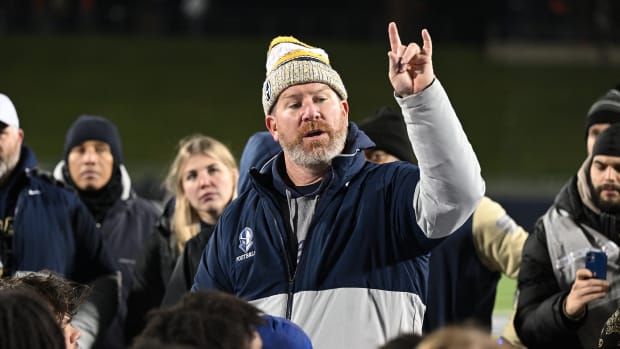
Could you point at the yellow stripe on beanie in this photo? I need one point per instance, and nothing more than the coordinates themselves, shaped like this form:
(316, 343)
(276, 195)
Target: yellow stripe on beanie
(301, 54)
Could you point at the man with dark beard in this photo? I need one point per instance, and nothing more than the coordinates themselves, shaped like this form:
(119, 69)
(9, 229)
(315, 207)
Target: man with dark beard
(326, 239)
(44, 225)
(561, 303)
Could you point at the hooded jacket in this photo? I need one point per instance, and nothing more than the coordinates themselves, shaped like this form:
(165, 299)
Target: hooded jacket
(361, 277)
(540, 320)
(126, 227)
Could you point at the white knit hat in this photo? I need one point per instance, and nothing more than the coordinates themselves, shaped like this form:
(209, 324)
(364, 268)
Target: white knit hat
(8, 114)
(292, 62)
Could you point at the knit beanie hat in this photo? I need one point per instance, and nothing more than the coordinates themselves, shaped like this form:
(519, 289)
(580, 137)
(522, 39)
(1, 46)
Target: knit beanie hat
(386, 127)
(605, 110)
(291, 62)
(94, 128)
(608, 142)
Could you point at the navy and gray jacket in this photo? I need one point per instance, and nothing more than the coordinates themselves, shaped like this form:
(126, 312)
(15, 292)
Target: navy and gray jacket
(361, 277)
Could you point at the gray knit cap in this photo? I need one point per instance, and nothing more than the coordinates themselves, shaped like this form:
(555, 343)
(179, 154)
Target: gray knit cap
(292, 62)
(605, 110)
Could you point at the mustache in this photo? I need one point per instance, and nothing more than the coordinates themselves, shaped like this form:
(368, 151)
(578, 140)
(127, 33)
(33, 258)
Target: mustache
(312, 126)
(609, 187)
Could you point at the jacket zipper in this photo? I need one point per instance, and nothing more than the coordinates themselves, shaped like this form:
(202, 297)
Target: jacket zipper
(290, 275)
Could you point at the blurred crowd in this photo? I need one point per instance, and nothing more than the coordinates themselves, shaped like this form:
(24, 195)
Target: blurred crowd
(466, 22)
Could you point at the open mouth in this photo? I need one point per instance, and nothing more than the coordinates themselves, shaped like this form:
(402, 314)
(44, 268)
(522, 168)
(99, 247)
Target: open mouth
(313, 134)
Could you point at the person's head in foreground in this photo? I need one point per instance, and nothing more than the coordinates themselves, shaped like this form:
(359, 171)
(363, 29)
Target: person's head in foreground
(62, 296)
(217, 320)
(206, 320)
(459, 337)
(27, 322)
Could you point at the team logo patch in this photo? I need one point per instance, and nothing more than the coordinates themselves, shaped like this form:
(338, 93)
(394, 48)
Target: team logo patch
(246, 242)
(246, 239)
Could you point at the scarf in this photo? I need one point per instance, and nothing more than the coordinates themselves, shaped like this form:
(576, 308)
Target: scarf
(99, 201)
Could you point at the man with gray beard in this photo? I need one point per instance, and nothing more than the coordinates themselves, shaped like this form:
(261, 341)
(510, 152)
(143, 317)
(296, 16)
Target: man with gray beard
(326, 239)
(44, 225)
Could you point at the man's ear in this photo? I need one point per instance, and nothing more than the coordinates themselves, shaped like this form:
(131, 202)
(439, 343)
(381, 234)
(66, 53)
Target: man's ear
(344, 104)
(20, 135)
(270, 122)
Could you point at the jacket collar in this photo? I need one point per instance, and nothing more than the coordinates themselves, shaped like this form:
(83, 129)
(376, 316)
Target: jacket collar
(344, 166)
(27, 162)
(61, 170)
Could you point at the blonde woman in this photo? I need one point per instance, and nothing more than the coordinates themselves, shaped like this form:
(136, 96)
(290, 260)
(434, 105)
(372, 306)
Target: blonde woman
(203, 178)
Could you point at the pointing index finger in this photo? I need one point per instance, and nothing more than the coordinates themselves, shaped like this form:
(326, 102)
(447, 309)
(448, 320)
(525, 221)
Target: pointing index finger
(428, 43)
(394, 37)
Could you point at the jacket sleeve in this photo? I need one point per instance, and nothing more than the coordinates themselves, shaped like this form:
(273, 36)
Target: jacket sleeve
(540, 321)
(497, 238)
(450, 183)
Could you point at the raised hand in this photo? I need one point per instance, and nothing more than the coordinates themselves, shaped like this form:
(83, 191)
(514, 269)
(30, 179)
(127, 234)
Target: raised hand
(410, 67)
(584, 290)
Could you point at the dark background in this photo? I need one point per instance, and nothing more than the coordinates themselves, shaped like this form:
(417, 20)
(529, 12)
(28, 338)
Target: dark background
(521, 73)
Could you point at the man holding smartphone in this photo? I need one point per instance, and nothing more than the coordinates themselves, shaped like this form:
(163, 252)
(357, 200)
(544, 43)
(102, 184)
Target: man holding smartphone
(563, 304)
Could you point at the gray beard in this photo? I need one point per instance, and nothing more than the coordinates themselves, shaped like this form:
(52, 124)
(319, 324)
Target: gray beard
(318, 157)
(7, 166)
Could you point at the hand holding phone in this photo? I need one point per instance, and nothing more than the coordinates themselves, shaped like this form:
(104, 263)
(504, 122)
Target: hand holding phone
(596, 262)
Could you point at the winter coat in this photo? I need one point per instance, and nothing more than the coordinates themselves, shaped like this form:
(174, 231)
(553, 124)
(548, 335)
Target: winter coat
(53, 229)
(362, 274)
(540, 321)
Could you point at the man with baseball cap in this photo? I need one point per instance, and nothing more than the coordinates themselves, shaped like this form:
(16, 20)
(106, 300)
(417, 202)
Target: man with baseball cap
(43, 224)
(326, 239)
